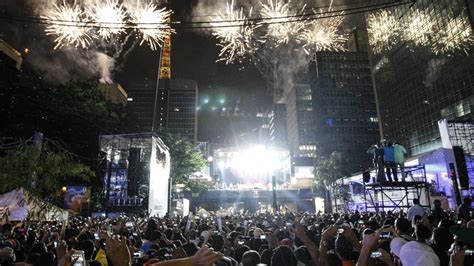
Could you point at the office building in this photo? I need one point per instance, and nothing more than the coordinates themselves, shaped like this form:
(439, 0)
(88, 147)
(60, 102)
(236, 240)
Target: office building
(426, 72)
(344, 106)
(141, 94)
(177, 108)
(10, 62)
(300, 121)
(114, 93)
(278, 125)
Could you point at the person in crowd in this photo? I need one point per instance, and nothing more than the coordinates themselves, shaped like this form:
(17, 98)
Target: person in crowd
(415, 210)
(464, 210)
(437, 211)
(399, 152)
(350, 238)
(250, 258)
(418, 252)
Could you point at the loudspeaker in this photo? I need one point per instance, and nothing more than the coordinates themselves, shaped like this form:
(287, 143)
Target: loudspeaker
(366, 176)
(462, 168)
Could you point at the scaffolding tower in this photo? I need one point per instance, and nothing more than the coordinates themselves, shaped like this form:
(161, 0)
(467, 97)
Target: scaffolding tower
(392, 196)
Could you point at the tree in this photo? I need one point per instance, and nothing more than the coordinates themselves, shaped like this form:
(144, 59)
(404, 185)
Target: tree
(327, 171)
(185, 161)
(42, 170)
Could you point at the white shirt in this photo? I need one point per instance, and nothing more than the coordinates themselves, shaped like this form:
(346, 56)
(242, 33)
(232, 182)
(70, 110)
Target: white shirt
(415, 210)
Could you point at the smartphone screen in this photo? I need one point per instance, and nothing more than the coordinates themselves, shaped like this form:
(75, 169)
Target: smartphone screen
(78, 258)
(376, 254)
(263, 237)
(385, 235)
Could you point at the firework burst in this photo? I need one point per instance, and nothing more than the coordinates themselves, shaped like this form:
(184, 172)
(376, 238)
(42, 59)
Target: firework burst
(233, 33)
(418, 28)
(277, 12)
(383, 29)
(153, 23)
(324, 34)
(455, 35)
(68, 26)
(109, 17)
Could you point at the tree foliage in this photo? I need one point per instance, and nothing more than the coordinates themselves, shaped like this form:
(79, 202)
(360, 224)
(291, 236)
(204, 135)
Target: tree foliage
(41, 170)
(185, 161)
(329, 169)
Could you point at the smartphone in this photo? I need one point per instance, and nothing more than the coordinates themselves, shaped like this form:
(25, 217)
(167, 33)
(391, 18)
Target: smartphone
(459, 222)
(241, 242)
(96, 236)
(361, 222)
(376, 254)
(263, 237)
(129, 224)
(138, 254)
(385, 235)
(340, 230)
(78, 258)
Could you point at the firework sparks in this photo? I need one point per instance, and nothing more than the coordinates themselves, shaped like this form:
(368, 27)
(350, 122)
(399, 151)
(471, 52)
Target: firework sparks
(383, 29)
(68, 27)
(456, 35)
(324, 34)
(109, 17)
(153, 23)
(278, 12)
(418, 28)
(233, 32)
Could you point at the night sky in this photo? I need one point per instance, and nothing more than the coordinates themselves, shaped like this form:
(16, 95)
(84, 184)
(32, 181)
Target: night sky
(194, 53)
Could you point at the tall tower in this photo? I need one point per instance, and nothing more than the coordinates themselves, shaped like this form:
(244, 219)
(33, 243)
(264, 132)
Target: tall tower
(175, 100)
(165, 64)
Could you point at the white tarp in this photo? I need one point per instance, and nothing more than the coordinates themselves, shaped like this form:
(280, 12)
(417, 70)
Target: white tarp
(19, 206)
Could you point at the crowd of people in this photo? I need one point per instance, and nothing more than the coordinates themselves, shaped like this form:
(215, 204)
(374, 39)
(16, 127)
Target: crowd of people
(435, 237)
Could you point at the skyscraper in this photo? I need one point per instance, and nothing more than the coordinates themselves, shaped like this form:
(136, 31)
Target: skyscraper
(344, 106)
(300, 120)
(177, 108)
(142, 94)
(425, 71)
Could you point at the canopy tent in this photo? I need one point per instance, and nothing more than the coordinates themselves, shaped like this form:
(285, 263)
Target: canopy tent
(18, 205)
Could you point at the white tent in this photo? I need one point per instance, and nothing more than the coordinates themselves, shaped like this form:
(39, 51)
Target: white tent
(18, 205)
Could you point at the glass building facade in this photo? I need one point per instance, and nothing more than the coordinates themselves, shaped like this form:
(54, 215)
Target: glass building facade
(300, 120)
(344, 106)
(181, 106)
(142, 95)
(424, 70)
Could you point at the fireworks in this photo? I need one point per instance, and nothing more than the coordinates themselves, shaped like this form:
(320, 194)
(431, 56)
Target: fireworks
(105, 18)
(454, 36)
(153, 23)
(109, 17)
(419, 28)
(233, 33)
(277, 12)
(383, 29)
(324, 34)
(68, 27)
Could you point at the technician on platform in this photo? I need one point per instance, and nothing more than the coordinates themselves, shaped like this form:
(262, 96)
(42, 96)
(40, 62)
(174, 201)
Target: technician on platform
(399, 152)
